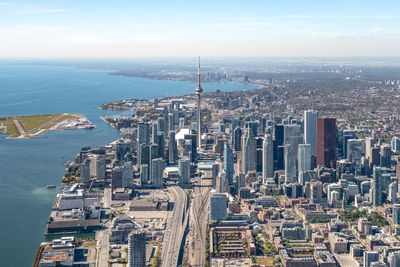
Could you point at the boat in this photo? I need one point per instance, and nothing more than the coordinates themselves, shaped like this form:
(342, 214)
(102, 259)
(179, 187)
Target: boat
(50, 186)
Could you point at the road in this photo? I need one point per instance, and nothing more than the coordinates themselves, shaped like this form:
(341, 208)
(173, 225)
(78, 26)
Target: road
(176, 228)
(199, 218)
(102, 248)
(102, 236)
(107, 198)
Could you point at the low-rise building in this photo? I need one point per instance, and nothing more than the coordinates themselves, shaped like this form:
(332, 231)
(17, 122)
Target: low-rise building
(59, 252)
(337, 242)
(290, 260)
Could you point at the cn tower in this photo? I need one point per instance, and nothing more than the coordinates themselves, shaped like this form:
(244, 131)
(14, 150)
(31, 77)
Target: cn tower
(199, 90)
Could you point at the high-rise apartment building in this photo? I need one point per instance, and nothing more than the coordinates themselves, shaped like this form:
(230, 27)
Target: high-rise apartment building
(184, 171)
(143, 134)
(172, 148)
(377, 185)
(127, 174)
(157, 169)
(137, 248)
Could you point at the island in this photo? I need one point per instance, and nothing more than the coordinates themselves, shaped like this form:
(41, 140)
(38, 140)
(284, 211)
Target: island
(35, 125)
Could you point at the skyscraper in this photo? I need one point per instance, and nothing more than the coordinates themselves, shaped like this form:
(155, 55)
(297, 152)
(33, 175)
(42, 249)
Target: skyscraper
(290, 164)
(161, 144)
(154, 133)
(143, 157)
(304, 157)
(172, 148)
(310, 130)
(85, 171)
(143, 134)
(121, 149)
(143, 137)
(199, 90)
(326, 142)
(192, 138)
(386, 156)
(369, 144)
(235, 123)
(253, 125)
(218, 205)
(290, 131)
(153, 154)
(116, 177)
(355, 151)
(144, 174)
(157, 169)
(392, 196)
(292, 139)
(171, 122)
(279, 133)
(127, 175)
(221, 182)
(237, 139)
(137, 248)
(268, 157)
(249, 151)
(377, 186)
(98, 166)
(395, 144)
(184, 171)
(161, 124)
(181, 124)
(240, 181)
(375, 159)
(228, 162)
(396, 214)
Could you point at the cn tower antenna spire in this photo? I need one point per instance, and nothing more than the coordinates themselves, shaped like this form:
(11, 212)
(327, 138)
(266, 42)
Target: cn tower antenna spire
(198, 72)
(199, 90)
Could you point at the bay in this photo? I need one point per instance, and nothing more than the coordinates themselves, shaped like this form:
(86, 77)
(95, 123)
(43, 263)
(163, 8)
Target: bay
(27, 166)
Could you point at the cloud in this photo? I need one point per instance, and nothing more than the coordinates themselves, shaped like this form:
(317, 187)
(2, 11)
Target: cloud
(300, 16)
(241, 24)
(40, 10)
(376, 29)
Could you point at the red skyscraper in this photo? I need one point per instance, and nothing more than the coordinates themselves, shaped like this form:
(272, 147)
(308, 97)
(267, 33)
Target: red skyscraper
(326, 142)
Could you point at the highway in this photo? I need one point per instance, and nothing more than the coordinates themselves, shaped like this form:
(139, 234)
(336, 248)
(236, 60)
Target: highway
(175, 228)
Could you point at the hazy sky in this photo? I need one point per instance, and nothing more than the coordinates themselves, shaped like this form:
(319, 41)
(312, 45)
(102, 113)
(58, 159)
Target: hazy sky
(116, 28)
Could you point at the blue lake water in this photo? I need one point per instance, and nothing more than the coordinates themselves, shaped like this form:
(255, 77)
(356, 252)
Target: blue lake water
(27, 166)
